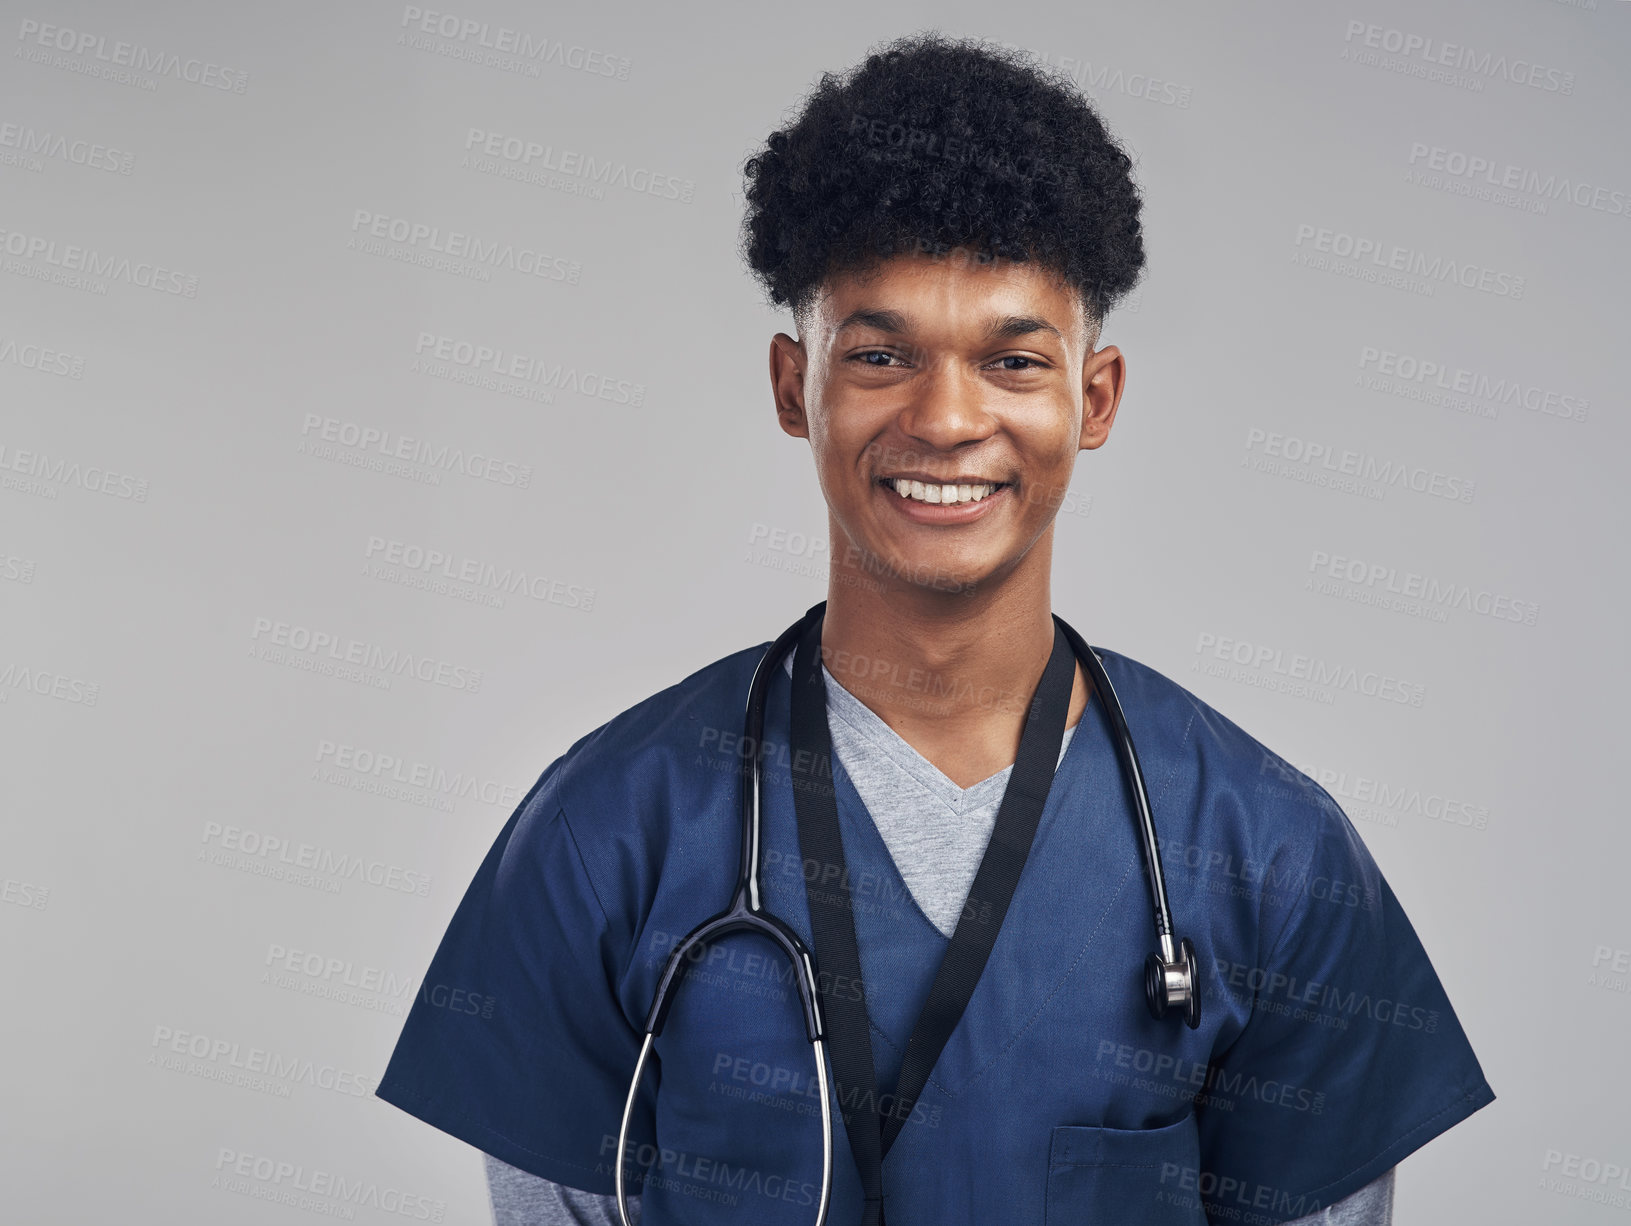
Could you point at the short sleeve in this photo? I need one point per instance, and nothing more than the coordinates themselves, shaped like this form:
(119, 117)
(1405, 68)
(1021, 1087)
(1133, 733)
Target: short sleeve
(516, 1042)
(520, 1199)
(1351, 1057)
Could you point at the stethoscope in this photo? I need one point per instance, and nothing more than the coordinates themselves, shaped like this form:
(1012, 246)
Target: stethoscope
(1170, 976)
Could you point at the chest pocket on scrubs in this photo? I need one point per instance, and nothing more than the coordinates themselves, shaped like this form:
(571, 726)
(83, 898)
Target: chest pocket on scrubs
(1129, 1176)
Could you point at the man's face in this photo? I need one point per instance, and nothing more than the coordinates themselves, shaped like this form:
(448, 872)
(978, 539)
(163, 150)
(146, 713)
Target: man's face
(945, 370)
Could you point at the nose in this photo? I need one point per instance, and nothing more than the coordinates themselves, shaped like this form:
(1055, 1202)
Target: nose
(947, 409)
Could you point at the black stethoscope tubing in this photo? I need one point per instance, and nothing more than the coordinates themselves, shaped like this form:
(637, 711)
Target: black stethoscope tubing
(1170, 979)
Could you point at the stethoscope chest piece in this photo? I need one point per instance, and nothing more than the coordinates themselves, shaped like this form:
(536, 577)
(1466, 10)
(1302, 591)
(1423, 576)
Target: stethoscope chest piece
(1173, 984)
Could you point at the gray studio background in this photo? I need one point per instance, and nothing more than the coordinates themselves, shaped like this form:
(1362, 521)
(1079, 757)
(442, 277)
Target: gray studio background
(254, 743)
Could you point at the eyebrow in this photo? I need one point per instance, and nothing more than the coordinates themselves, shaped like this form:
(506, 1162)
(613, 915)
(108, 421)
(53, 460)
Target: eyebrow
(1003, 327)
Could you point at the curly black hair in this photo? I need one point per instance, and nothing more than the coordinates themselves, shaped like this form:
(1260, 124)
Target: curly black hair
(932, 144)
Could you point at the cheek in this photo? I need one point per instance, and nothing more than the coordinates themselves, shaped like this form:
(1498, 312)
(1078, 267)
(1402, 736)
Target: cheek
(826, 426)
(1050, 451)
(840, 446)
(1051, 474)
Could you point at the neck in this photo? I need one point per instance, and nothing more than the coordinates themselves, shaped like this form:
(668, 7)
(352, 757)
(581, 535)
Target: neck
(955, 670)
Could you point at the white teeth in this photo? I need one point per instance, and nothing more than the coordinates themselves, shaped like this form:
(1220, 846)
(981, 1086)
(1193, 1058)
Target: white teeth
(943, 494)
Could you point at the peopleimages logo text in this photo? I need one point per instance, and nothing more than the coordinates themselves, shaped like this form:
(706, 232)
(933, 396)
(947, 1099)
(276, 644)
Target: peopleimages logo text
(1394, 257)
(1428, 50)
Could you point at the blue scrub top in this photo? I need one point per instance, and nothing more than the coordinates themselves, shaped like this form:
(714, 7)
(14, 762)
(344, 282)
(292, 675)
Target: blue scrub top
(1327, 1051)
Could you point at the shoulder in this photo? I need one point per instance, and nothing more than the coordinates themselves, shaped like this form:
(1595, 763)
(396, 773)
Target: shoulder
(1179, 726)
(1255, 852)
(646, 796)
(1215, 785)
(667, 752)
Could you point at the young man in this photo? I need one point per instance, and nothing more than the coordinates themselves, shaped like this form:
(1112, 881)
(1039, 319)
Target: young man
(950, 226)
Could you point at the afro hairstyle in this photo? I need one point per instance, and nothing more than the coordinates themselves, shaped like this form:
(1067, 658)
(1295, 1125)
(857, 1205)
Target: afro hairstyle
(933, 144)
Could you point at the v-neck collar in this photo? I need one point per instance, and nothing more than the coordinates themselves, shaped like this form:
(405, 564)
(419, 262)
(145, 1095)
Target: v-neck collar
(1079, 826)
(868, 723)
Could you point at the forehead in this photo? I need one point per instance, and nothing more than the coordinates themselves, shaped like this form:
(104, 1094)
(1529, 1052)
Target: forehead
(955, 292)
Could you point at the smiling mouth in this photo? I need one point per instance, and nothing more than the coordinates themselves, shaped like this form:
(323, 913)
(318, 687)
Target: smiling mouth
(942, 493)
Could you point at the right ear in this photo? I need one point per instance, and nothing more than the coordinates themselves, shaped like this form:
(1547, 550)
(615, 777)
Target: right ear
(787, 363)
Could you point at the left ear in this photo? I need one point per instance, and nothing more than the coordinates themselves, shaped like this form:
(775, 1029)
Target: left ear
(1104, 376)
